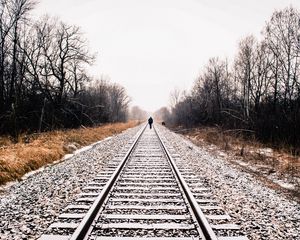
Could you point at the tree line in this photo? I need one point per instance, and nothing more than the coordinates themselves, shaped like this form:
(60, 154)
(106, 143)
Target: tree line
(136, 113)
(258, 92)
(44, 83)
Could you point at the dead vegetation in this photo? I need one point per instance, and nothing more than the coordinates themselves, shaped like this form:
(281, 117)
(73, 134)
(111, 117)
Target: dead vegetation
(36, 150)
(251, 154)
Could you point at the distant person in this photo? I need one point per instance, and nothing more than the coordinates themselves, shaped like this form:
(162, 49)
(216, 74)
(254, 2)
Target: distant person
(150, 121)
(163, 123)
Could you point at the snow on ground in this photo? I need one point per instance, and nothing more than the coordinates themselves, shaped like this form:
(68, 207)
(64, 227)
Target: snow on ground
(262, 212)
(28, 207)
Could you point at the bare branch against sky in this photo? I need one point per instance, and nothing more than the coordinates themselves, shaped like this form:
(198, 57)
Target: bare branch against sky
(150, 47)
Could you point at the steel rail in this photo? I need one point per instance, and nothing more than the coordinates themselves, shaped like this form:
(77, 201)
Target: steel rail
(85, 224)
(201, 219)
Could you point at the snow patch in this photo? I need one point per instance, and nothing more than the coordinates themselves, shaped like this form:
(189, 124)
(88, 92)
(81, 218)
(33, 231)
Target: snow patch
(286, 185)
(83, 149)
(244, 164)
(65, 157)
(27, 175)
(6, 186)
(266, 151)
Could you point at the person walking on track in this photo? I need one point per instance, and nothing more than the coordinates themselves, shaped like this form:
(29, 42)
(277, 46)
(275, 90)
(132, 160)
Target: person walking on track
(150, 121)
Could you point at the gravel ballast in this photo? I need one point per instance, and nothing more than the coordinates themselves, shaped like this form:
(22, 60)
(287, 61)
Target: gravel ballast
(262, 212)
(28, 207)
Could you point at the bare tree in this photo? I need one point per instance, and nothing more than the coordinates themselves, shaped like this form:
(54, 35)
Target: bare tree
(119, 102)
(13, 21)
(282, 33)
(211, 89)
(261, 76)
(244, 65)
(65, 55)
(174, 97)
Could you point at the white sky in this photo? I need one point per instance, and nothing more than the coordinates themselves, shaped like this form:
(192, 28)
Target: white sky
(152, 46)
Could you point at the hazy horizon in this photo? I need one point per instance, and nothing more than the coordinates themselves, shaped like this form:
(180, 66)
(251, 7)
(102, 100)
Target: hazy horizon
(152, 47)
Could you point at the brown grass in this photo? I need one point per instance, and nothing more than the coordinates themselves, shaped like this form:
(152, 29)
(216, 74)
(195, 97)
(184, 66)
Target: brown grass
(36, 150)
(249, 150)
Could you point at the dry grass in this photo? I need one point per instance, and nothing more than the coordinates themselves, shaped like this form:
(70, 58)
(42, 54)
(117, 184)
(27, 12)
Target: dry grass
(34, 151)
(265, 159)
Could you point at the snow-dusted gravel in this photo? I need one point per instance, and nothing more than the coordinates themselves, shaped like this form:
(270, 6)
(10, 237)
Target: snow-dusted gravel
(262, 212)
(28, 207)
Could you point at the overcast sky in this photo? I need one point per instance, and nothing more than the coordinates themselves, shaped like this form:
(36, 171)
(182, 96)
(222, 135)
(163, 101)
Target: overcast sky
(152, 46)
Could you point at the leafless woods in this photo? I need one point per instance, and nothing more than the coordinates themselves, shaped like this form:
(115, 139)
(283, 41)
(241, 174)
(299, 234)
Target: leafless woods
(44, 83)
(259, 91)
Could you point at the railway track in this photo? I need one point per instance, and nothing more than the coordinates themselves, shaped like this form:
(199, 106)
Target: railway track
(144, 192)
